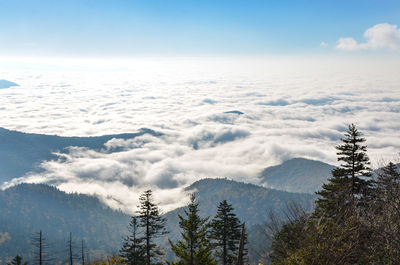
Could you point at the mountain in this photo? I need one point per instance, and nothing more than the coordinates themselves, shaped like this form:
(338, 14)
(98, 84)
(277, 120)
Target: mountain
(297, 175)
(26, 209)
(6, 84)
(23, 152)
(252, 204)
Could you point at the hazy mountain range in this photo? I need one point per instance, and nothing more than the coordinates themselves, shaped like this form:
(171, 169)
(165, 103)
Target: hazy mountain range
(21, 153)
(26, 209)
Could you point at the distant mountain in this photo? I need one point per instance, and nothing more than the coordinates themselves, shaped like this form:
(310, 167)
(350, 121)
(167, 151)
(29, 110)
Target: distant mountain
(6, 84)
(22, 152)
(297, 175)
(26, 209)
(252, 204)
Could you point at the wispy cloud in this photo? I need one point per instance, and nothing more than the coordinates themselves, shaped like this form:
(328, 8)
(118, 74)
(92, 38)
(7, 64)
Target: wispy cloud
(380, 36)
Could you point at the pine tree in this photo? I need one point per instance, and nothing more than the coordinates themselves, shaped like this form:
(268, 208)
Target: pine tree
(153, 226)
(343, 206)
(350, 186)
(194, 247)
(132, 250)
(17, 260)
(388, 184)
(226, 233)
(385, 216)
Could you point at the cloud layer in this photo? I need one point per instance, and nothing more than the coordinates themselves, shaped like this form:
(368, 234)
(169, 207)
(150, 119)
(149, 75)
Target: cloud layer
(380, 36)
(218, 118)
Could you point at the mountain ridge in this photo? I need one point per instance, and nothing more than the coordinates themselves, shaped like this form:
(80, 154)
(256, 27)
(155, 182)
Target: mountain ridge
(297, 175)
(22, 152)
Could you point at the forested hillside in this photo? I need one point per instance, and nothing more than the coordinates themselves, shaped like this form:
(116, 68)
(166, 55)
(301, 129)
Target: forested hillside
(28, 208)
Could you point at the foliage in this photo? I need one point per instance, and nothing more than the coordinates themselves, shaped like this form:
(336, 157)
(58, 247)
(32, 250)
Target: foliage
(356, 220)
(153, 225)
(226, 233)
(349, 187)
(133, 250)
(57, 214)
(194, 247)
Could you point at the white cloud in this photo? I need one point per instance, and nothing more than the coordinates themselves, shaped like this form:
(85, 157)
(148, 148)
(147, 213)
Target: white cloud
(277, 109)
(380, 36)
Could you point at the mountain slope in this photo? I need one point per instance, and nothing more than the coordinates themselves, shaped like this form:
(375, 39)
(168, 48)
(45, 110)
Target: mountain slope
(22, 152)
(252, 203)
(26, 209)
(29, 208)
(297, 175)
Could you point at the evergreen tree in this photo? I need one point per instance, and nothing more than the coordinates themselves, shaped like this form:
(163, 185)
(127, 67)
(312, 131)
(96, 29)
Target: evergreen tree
(350, 186)
(226, 233)
(17, 260)
(194, 247)
(132, 250)
(388, 184)
(385, 216)
(153, 226)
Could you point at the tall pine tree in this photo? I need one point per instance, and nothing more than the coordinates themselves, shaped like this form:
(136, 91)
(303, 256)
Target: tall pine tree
(350, 185)
(194, 247)
(153, 226)
(226, 233)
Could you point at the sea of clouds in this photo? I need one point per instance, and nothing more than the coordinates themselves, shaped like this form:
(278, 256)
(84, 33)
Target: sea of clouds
(219, 117)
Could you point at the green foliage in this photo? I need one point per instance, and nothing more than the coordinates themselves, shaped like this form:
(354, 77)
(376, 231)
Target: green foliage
(226, 233)
(153, 225)
(133, 251)
(384, 216)
(194, 248)
(349, 187)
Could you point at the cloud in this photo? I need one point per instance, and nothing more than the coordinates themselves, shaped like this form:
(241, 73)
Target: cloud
(263, 114)
(380, 36)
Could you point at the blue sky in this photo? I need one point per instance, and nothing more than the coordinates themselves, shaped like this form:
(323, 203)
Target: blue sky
(177, 27)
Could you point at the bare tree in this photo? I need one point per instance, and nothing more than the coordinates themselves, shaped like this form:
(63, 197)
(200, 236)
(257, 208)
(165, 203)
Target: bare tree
(40, 252)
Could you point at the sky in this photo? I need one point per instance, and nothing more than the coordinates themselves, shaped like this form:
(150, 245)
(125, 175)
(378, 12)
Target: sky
(99, 28)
